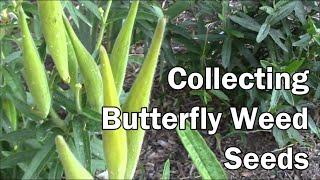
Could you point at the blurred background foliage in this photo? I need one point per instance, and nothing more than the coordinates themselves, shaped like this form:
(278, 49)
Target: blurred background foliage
(237, 36)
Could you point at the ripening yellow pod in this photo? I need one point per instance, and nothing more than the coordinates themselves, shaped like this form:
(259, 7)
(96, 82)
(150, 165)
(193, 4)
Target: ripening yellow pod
(50, 13)
(139, 96)
(114, 141)
(72, 167)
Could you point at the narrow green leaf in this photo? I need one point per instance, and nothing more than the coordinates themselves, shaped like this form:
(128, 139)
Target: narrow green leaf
(96, 149)
(204, 159)
(282, 12)
(59, 171)
(316, 38)
(83, 18)
(5, 124)
(311, 27)
(295, 135)
(14, 82)
(18, 136)
(157, 11)
(220, 94)
(178, 7)
(13, 56)
(300, 12)
(98, 164)
(166, 170)
(248, 55)
(263, 32)
(265, 64)
(40, 159)
(210, 37)
(56, 170)
(304, 41)
(72, 10)
(23, 107)
(82, 143)
(235, 33)
(246, 22)
(226, 52)
(293, 66)
(288, 97)
(275, 97)
(13, 159)
(311, 123)
(313, 126)
(267, 9)
(62, 100)
(277, 40)
(92, 7)
(280, 136)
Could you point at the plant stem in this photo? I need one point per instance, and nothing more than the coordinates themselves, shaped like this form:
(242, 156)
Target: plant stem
(78, 87)
(102, 26)
(109, 34)
(57, 120)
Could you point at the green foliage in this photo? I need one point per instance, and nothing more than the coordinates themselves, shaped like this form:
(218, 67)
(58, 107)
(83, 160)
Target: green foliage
(243, 35)
(166, 170)
(201, 155)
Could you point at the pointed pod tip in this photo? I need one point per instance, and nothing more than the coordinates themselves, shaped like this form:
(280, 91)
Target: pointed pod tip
(66, 79)
(59, 139)
(60, 142)
(102, 49)
(78, 86)
(103, 55)
(163, 20)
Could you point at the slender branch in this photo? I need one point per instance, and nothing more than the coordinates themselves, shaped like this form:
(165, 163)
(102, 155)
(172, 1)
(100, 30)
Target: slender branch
(102, 26)
(78, 87)
(57, 120)
(281, 149)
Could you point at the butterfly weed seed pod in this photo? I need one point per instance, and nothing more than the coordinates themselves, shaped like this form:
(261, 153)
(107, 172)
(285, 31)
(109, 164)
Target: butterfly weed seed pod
(88, 68)
(11, 112)
(72, 64)
(114, 141)
(121, 47)
(139, 97)
(34, 70)
(72, 167)
(50, 13)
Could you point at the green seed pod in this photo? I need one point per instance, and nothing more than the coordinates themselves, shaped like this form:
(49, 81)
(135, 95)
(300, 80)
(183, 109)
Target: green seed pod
(50, 13)
(73, 64)
(121, 47)
(88, 68)
(139, 97)
(114, 141)
(11, 112)
(72, 167)
(34, 70)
